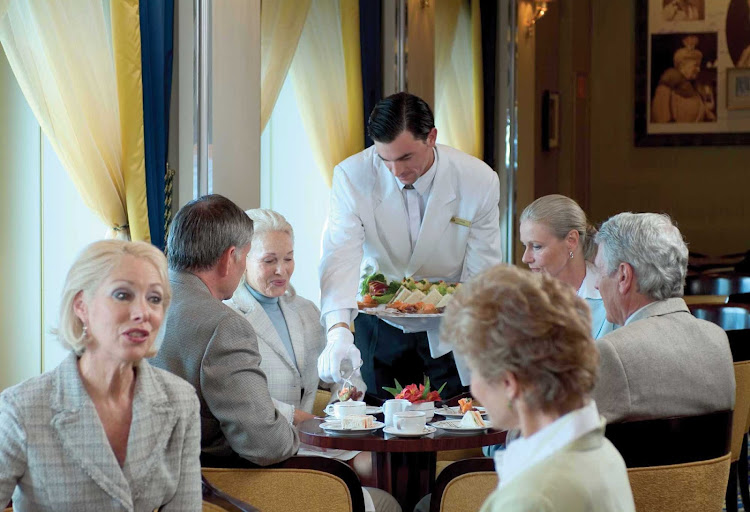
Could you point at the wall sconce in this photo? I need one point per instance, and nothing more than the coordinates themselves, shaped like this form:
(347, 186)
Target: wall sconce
(540, 9)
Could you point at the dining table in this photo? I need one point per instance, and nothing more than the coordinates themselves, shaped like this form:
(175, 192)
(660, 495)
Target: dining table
(402, 466)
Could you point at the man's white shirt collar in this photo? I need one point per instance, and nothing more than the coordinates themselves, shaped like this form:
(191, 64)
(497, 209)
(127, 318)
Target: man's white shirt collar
(523, 453)
(635, 313)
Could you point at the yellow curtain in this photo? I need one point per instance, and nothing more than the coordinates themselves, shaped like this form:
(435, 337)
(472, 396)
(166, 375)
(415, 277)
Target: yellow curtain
(458, 58)
(281, 23)
(326, 72)
(62, 55)
(126, 39)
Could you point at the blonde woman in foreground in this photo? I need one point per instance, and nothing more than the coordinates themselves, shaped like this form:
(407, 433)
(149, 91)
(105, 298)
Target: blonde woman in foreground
(527, 339)
(104, 430)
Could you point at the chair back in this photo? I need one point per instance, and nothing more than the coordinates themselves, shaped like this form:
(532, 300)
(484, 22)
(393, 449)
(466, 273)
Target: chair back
(300, 483)
(676, 463)
(215, 500)
(741, 406)
(464, 485)
(717, 284)
(730, 316)
(322, 397)
(734, 318)
(691, 487)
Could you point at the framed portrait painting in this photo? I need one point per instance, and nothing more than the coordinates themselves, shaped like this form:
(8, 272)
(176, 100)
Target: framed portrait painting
(692, 64)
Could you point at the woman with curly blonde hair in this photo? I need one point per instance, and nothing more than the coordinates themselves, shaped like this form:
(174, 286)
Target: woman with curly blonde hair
(527, 340)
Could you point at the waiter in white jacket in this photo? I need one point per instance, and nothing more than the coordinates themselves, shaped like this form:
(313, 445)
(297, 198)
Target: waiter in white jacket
(410, 208)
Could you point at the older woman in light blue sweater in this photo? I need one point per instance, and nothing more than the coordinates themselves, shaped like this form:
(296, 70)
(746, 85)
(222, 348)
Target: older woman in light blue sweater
(290, 336)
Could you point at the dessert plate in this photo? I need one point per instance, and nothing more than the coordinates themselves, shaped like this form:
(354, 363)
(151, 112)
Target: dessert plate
(454, 427)
(370, 409)
(427, 430)
(334, 427)
(455, 412)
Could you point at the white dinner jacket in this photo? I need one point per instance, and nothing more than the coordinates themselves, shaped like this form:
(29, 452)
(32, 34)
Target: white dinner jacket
(289, 385)
(367, 225)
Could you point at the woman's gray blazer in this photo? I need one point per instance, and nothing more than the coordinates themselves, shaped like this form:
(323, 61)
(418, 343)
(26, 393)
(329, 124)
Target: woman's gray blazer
(55, 454)
(290, 386)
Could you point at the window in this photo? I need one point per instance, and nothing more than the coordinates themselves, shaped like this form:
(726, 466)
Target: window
(291, 184)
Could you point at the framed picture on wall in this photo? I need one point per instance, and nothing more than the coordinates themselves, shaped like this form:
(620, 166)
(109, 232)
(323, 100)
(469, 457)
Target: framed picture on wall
(738, 88)
(692, 64)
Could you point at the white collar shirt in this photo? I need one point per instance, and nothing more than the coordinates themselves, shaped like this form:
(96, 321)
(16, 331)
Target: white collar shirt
(423, 186)
(523, 453)
(635, 313)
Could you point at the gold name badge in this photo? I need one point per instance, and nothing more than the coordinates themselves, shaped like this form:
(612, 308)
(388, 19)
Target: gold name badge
(461, 222)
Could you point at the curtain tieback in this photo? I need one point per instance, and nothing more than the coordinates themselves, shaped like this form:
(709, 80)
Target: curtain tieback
(124, 227)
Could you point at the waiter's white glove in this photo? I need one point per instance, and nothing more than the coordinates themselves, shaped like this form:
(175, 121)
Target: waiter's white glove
(340, 346)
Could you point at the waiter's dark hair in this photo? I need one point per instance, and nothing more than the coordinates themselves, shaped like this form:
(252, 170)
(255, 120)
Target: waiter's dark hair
(203, 229)
(399, 112)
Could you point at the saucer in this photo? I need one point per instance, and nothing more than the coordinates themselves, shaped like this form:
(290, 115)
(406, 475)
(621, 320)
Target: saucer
(334, 427)
(392, 431)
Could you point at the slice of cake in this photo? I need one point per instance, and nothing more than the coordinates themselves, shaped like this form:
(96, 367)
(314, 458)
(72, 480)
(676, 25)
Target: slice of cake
(472, 419)
(357, 421)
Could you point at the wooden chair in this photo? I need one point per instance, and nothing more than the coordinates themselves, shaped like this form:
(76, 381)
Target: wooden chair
(322, 397)
(676, 463)
(464, 485)
(739, 343)
(734, 318)
(446, 457)
(215, 500)
(730, 316)
(299, 483)
(717, 284)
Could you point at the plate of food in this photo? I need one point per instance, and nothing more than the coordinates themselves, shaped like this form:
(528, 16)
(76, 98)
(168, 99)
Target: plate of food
(370, 409)
(383, 297)
(471, 423)
(352, 425)
(464, 405)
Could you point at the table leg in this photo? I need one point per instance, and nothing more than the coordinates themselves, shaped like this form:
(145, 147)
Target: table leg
(407, 476)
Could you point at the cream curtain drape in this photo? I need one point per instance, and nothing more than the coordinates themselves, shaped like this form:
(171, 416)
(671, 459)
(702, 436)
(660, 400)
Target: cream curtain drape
(281, 23)
(326, 72)
(459, 95)
(63, 57)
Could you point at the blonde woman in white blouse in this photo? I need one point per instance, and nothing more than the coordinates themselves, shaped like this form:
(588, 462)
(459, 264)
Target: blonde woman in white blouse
(534, 363)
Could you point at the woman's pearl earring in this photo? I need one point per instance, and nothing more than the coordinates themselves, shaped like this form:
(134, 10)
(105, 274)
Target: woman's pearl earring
(571, 255)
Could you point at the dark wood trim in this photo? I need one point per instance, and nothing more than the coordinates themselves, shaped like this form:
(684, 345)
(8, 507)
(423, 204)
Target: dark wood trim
(667, 441)
(455, 469)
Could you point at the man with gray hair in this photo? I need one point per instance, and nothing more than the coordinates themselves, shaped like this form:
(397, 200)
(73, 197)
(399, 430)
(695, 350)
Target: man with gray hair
(212, 347)
(663, 361)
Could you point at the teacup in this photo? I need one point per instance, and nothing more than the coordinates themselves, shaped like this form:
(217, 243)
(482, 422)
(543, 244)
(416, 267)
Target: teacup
(391, 407)
(410, 422)
(349, 408)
